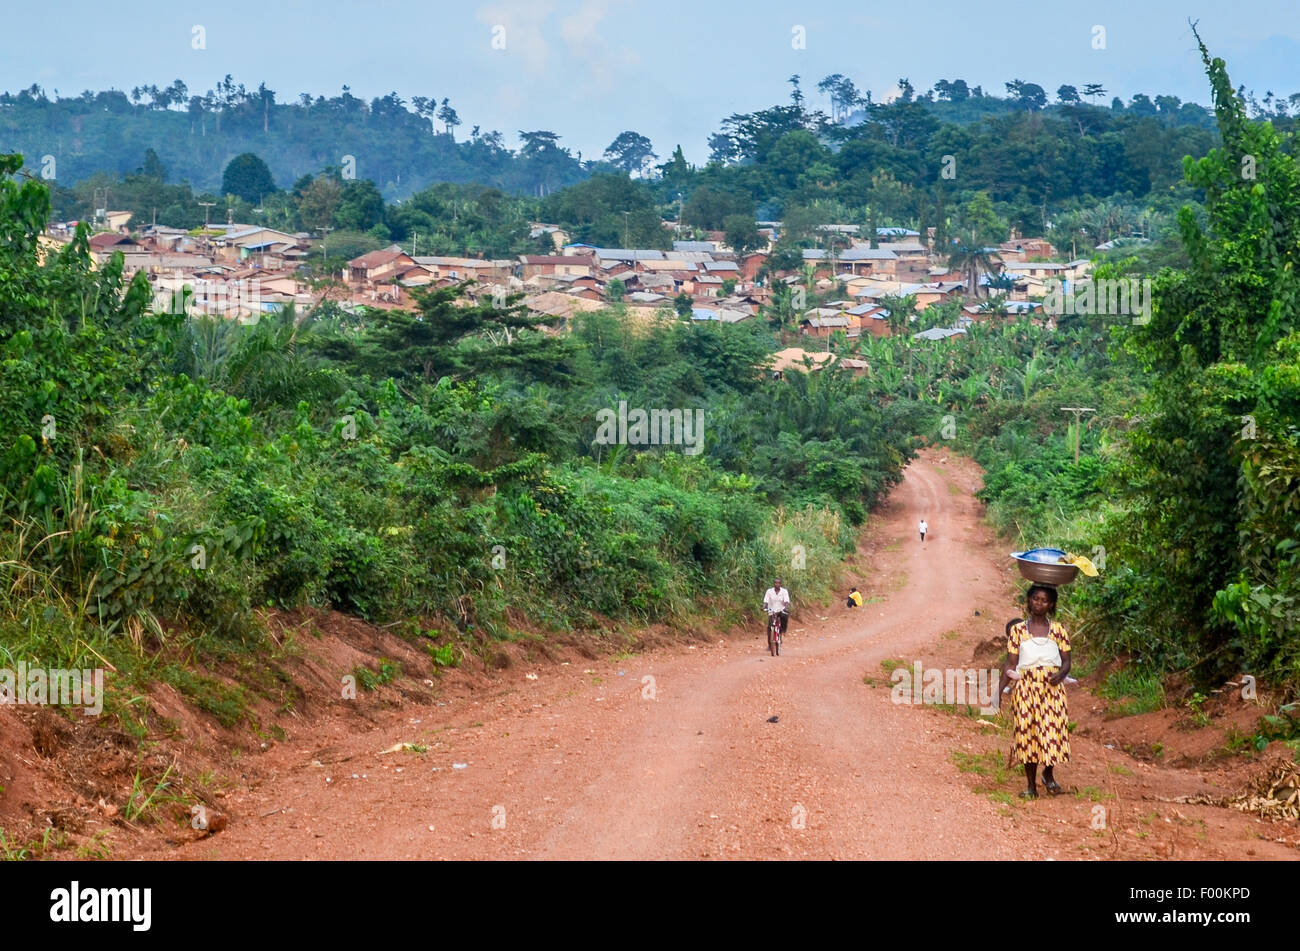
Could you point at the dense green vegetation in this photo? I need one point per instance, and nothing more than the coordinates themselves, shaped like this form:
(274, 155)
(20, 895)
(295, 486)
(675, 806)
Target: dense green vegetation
(1209, 563)
(399, 145)
(1187, 489)
(168, 477)
(166, 474)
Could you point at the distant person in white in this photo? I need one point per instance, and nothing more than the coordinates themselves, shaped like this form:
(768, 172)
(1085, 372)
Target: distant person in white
(924, 527)
(777, 600)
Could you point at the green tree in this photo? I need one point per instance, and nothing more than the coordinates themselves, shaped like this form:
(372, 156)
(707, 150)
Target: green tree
(1210, 575)
(676, 172)
(610, 210)
(954, 91)
(450, 120)
(902, 312)
(1027, 95)
(360, 206)
(153, 167)
(318, 201)
(791, 157)
(709, 206)
(248, 177)
(742, 234)
(443, 337)
(784, 259)
(978, 223)
(971, 262)
(631, 152)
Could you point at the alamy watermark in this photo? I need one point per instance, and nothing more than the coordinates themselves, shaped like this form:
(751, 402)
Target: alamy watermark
(53, 686)
(656, 427)
(78, 904)
(211, 299)
(1112, 297)
(955, 686)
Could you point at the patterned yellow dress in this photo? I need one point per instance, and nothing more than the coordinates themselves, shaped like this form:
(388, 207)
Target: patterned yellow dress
(1041, 722)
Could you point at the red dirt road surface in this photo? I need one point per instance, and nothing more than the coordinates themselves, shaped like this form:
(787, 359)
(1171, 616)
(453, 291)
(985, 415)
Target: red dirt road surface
(718, 750)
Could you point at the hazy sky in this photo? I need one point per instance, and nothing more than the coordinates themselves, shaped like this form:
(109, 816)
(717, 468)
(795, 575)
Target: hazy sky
(671, 70)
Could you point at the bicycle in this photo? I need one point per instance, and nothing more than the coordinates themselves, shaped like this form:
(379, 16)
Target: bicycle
(774, 633)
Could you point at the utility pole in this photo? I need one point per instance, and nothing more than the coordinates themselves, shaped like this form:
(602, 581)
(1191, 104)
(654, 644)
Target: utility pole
(325, 244)
(207, 205)
(94, 200)
(1078, 412)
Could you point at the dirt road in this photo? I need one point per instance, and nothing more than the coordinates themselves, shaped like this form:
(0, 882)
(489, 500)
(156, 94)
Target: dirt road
(718, 750)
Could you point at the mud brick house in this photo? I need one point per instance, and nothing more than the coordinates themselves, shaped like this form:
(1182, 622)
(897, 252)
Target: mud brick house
(377, 265)
(537, 265)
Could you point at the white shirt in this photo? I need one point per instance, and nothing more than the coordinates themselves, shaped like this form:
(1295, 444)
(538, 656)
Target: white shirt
(924, 527)
(776, 600)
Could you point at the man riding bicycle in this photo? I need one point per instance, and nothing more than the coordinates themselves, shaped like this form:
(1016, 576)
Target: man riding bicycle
(777, 601)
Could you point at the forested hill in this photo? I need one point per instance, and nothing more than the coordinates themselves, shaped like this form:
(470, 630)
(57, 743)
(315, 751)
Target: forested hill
(401, 147)
(404, 145)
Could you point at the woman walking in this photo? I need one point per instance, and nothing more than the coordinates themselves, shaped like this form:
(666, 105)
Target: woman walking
(1038, 660)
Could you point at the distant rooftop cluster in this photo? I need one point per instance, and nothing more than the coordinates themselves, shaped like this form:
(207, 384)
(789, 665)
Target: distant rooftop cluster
(241, 271)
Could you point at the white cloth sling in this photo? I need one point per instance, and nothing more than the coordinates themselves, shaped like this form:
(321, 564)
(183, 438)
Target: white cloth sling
(1038, 652)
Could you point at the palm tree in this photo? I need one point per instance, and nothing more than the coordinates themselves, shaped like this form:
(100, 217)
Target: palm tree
(970, 261)
(995, 306)
(267, 363)
(810, 276)
(901, 311)
(1032, 375)
(780, 308)
(876, 351)
(1018, 446)
(973, 389)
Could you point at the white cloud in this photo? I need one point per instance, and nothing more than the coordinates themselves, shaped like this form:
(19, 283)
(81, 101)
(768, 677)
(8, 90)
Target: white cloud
(523, 21)
(585, 43)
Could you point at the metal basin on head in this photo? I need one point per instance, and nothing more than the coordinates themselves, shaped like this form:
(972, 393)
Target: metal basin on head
(1045, 566)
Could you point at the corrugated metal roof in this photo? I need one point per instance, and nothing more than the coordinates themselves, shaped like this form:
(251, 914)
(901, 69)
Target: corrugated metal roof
(867, 254)
(376, 258)
(568, 260)
(721, 314)
(629, 254)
